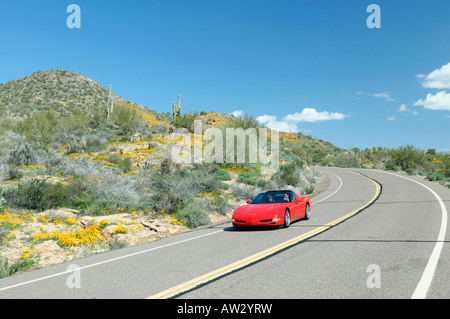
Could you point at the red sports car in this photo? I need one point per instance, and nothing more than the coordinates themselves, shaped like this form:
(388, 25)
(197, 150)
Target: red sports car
(273, 208)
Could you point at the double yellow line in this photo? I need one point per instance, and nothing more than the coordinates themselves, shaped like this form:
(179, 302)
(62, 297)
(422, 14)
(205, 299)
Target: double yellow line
(188, 285)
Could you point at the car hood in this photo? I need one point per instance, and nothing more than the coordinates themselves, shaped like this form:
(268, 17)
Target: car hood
(259, 210)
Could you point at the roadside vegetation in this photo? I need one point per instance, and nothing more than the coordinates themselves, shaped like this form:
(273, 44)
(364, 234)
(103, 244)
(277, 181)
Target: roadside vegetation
(79, 181)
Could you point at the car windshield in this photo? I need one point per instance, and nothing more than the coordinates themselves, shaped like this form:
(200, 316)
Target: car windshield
(272, 197)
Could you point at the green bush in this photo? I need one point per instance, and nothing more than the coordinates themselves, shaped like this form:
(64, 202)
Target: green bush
(40, 128)
(12, 172)
(173, 190)
(289, 174)
(222, 175)
(186, 121)
(193, 215)
(248, 178)
(22, 155)
(406, 157)
(246, 121)
(347, 159)
(124, 164)
(433, 176)
(125, 117)
(37, 194)
(81, 195)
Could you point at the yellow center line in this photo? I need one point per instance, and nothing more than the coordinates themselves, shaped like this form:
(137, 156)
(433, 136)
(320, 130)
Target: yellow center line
(188, 285)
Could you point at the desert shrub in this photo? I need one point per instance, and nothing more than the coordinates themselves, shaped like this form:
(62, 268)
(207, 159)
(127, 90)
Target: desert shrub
(40, 128)
(245, 192)
(8, 270)
(10, 172)
(113, 192)
(220, 205)
(77, 123)
(22, 155)
(73, 144)
(124, 164)
(246, 121)
(289, 174)
(194, 215)
(95, 143)
(172, 190)
(36, 194)
(114, 158)
(248, 178)
(80, 167)
(222, 175)
(224, 186)
(299, 151)
(81, 193)
(406, 157)
(347, 159)
(117, 244)
(433, 176)
(125, 117)
(309, 190)
(50, 160)
(186, 121)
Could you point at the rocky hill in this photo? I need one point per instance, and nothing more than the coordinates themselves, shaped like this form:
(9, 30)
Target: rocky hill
(62, 91)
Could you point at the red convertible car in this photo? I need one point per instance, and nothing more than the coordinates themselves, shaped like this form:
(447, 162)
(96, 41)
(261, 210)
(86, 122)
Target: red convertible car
(273, 208)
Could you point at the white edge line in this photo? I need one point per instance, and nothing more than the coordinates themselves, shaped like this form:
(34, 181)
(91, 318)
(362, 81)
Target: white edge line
(425, 281)
(337, 190)
(106, 261)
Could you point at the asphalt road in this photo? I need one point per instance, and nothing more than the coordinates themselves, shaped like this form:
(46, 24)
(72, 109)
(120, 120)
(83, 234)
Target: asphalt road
(394, 248)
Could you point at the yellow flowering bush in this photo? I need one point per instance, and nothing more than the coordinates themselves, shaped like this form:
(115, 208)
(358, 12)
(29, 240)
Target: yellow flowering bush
(119, 229)
(91, 235)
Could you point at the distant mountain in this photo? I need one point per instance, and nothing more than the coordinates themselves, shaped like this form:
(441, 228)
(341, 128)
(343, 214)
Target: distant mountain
(62, 91)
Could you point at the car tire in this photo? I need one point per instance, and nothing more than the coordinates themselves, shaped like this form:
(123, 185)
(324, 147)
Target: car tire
(307, 212)
(287, 219)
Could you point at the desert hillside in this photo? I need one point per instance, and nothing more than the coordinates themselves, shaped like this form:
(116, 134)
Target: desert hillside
(83, 171)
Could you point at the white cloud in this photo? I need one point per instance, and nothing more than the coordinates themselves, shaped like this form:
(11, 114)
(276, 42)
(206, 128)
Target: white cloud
(384, 95)
(266, 118)
(283, 126)
(271, 122)
(311, 115)
(403, 108)
(438, 79)
(439, 101)
(237, 113)
(391, 118)
(289, 122)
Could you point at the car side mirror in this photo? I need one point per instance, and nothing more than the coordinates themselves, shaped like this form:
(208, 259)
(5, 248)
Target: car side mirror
(249, 201)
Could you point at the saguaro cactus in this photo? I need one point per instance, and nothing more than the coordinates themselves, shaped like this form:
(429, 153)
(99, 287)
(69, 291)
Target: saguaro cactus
(111, 102)
(176, 109)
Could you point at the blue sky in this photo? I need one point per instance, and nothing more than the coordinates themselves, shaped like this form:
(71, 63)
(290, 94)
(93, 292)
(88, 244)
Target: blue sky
(308, 65)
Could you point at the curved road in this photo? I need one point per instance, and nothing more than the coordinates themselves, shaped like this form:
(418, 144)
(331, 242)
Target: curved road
(394, 248)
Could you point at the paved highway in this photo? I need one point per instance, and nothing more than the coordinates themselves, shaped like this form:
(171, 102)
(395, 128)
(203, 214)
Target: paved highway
(376, 235)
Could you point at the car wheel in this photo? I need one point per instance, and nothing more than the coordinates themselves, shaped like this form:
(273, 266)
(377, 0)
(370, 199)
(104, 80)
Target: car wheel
(287, 219)
(307, 212)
